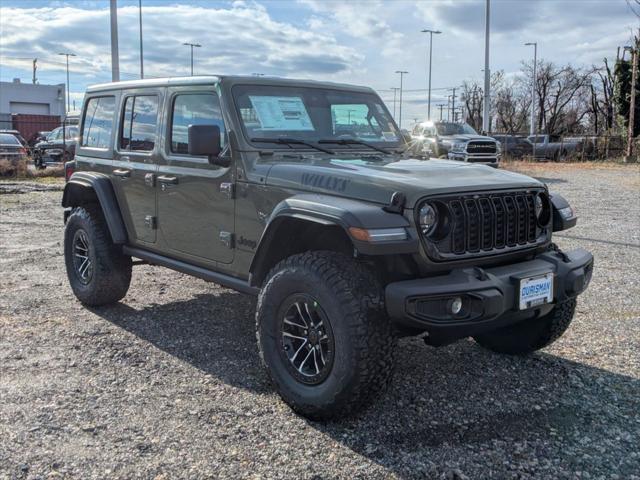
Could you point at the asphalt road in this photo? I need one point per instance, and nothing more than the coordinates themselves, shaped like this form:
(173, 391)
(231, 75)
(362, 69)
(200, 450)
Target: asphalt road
(167, 384)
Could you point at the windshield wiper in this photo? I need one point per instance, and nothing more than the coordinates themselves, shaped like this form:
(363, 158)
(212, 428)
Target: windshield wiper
(353, 141)
(291, 141)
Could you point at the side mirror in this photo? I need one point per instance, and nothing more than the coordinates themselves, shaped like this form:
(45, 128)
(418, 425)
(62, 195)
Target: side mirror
(205, 140)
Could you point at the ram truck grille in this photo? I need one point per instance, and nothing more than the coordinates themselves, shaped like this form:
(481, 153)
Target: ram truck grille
(481, 147)
(489, 223)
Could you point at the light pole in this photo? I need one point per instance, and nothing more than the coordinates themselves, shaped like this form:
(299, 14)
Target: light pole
(192, 45)
(487, 71)
(395, 91)
(402, 74)
(141, 53)
(115, 56)
(430, 32)
(68, 54)
(532, 129)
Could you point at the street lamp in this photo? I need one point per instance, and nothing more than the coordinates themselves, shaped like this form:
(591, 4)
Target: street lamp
(402, 74)
(197, 45)
(395, 92)
(532, 129)
(141, 52)
(430, 32)
(68, 54)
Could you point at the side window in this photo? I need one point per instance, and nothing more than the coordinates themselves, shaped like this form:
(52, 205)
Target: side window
(139, 122)
(98, 122)
(194, 109)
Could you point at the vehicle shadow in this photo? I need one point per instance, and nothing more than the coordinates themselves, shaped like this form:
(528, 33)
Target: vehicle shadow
(458, 396)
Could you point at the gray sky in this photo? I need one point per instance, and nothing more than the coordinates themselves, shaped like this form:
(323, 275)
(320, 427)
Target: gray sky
(361, 42)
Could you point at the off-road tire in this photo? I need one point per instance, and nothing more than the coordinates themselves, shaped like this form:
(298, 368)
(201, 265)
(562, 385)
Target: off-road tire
(530, 335)
(111, 269)
(353, 300)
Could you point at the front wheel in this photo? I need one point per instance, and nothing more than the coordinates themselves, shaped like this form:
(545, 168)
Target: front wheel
(323, 334)
(99, 273)
(530, 335)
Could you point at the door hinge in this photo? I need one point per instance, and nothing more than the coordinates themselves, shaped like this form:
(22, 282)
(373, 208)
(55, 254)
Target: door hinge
(227, 239)
(150, 222)
(228, 190)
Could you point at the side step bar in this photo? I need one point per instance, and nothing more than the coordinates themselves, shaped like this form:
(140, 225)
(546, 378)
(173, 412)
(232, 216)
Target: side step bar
(183, 267)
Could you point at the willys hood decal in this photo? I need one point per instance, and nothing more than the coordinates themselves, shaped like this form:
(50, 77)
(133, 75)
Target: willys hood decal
(375, 181)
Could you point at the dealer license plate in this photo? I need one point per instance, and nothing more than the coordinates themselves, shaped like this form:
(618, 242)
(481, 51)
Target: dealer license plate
(536, 291)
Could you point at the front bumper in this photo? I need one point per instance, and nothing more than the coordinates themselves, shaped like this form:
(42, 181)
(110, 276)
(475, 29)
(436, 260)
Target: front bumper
(489, 296)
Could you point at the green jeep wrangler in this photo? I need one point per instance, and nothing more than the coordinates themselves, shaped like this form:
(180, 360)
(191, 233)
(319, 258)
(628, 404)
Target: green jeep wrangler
(303, 194)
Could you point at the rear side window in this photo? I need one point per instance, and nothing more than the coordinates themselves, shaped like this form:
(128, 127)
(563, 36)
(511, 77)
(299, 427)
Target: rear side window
(194, 109)
(139, 123)
(98, 122)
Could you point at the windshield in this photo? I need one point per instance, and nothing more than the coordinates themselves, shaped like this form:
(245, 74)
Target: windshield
(313, 114)
(450, 128)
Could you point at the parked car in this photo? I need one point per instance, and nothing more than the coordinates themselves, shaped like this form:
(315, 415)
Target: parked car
(302, 193)
(515, 146)
(57, 148)
(18, 135)
(553, 147)
(455, 141)
(11, 152)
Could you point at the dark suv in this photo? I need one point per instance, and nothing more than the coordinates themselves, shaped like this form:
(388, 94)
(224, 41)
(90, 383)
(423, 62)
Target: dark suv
(302, 193)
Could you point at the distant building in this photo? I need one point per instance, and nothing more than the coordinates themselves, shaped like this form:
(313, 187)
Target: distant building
(26, 98)
(31, 108)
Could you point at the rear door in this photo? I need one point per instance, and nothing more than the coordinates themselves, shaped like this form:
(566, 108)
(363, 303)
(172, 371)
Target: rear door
(195, 198)
(135, 163)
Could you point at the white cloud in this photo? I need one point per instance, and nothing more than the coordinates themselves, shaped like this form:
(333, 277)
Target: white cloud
(240, 39)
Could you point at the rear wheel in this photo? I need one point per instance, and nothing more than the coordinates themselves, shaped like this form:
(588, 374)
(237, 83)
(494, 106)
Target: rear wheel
(323, 334)
(99, 273)
(530, 335)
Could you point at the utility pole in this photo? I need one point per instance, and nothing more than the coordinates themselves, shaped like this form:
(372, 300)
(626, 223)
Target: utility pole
(441, 106)
(67, 54)
(402, 74)
(35, 67)
(197, 45)
(141, 52)
(632, 102)
(395, 91)
(453, 100)
(430, 32)
(115, 57)
(487, 71)
(532, 129)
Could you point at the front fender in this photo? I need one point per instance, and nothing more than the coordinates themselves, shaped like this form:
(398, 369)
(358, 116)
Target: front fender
(332, 212)
(348, 213)
(93, 187)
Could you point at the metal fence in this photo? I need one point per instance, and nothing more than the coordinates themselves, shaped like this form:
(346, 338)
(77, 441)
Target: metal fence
(563, 148)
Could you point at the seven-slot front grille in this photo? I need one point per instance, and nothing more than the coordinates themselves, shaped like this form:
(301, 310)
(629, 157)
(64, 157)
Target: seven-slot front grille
(487, 222)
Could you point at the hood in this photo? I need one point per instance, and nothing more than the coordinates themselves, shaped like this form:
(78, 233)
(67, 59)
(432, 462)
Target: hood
(464, 138)
(375, 181)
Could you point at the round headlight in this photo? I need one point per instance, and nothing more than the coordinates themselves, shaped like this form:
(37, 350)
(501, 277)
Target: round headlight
(427, 218)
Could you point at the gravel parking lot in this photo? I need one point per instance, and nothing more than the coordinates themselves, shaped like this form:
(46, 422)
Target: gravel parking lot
(167, 384)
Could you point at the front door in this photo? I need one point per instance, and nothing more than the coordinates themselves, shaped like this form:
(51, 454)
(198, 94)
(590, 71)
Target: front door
(135, 164)
(195, 198)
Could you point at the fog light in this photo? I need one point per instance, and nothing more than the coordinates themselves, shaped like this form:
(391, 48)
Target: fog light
(455, 305)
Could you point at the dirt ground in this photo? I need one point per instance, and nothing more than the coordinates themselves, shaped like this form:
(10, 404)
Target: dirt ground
(167, 384)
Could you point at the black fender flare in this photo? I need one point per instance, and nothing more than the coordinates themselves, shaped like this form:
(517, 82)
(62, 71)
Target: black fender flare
(93, 187)
(341, 212)
(558, 202)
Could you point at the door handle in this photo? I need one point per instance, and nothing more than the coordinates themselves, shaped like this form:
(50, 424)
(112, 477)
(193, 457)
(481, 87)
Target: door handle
(122, 173)
(165, 179)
